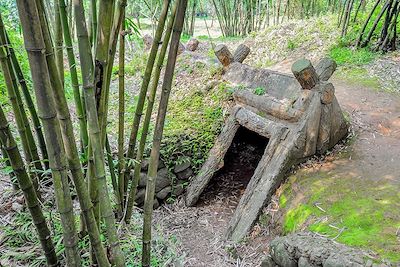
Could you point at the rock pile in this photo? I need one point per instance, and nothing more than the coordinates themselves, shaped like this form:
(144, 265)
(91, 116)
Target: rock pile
(168, 183)
(307, 250)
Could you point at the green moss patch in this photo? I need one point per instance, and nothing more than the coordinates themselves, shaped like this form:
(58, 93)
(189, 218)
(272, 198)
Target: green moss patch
(350, 210)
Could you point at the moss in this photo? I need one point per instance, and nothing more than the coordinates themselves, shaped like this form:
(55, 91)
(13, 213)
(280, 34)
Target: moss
(355, 212)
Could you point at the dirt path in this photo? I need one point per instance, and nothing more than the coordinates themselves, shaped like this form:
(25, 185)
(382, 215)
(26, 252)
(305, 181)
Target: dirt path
(375, 117)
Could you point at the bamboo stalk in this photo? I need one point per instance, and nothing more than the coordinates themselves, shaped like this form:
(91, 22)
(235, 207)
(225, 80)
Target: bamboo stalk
(74, 76)
(143, 90)
(117, 257)
(58, 41)
(29, 103)
(149, 109)
(23, 127)
(35, 46)
(25, 183)
(158, 132)
(121, 114)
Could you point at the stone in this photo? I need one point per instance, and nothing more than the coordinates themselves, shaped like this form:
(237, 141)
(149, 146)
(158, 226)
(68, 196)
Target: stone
(268, 262)
(143, 179)
(145, 164)
(163, 180)
(179, 188)
(185, 175)
(156, 204)
(164, 192)
(192, 44)
(182, 166)
(181, 48)
(17, 207)
(303, 262)
(148, 41)
(140, 196)
(307, 250)
(281, 256)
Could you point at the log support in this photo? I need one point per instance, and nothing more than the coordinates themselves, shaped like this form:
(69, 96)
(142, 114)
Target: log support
(300, 116)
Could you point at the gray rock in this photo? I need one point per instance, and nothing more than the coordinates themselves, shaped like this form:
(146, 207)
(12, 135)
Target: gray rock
(192, 44)
(281, 256)
(178, 188)
(163, 179)
(143, 179)
(182, 166)
(185, 175)
(308, 250)
(156, 204)
(164, 192)
(268, 262)
(303, 262)
(17, 207)
(140, 196)
(145, 165)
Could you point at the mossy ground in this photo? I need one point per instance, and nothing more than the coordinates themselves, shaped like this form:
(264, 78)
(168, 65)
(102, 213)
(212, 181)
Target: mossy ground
(352, 210)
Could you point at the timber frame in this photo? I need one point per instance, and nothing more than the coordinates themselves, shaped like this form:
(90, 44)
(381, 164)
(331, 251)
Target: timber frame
(298, 114)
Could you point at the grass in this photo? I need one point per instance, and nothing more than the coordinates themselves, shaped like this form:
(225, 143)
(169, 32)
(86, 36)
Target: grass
(353, 57)
(22, 245)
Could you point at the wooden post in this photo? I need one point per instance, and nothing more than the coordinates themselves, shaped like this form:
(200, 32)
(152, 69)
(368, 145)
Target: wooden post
(224, 55)
(305, 74)
(325, 68)
(241, 52)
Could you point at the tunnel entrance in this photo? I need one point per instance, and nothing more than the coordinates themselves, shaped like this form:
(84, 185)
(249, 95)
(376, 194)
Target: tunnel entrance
(240, 162)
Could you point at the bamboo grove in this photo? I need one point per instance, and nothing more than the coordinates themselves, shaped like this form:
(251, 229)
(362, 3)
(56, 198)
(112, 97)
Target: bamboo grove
(79, 164)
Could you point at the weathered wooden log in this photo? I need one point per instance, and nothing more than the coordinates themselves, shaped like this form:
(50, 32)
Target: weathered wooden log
(256, 123)
(241, 52)
(278, 108)
(324, 128)
(305, 74)
(278, 84)
(267, 177)
(214, 162)
(327, 93)
(223, 54)
(312, 126)
(283, 150)
(339, 126)
(325, 68)
(192, 44)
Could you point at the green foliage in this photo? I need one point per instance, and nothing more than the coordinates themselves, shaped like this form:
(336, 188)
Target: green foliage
(192, 124)
(291, 45)
(260, 91)
(349, 56)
